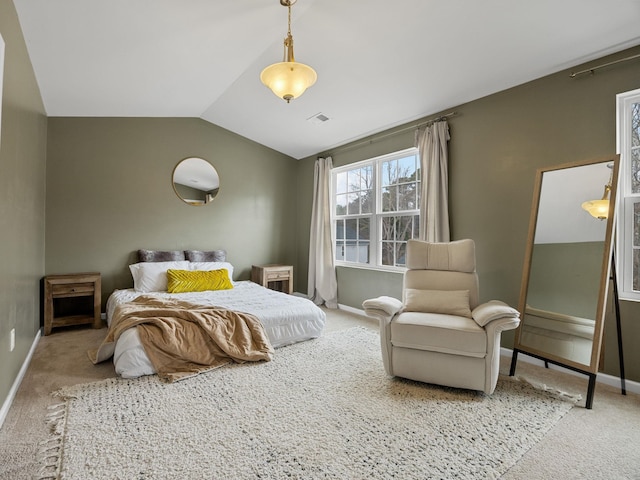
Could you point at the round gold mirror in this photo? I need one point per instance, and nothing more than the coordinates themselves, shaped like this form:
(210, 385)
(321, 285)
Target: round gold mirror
(195, 181)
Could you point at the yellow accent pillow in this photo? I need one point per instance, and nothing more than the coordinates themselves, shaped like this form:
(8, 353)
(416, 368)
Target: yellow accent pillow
(181, 281)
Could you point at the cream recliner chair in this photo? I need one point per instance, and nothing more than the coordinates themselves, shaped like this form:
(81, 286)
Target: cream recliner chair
(439, 333)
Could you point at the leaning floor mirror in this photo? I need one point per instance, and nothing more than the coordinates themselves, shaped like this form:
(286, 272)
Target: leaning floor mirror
(567, 266)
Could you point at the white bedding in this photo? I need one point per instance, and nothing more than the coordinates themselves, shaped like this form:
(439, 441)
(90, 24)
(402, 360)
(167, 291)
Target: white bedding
(286, 318)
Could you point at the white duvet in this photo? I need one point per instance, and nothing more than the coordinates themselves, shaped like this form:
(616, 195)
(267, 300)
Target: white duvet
(286, 319)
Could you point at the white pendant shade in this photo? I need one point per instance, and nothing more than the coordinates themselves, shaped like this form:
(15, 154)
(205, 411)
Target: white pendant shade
(288, 80)
(597, 208)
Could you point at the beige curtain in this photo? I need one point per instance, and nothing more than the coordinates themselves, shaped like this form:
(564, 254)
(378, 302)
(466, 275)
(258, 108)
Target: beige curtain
(322, 282)
(434, 197)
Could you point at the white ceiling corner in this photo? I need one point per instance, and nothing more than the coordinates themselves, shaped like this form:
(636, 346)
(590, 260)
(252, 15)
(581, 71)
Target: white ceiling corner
(380, 64)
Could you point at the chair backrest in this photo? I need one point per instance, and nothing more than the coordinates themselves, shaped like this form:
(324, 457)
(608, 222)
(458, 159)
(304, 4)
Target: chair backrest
(442, 266)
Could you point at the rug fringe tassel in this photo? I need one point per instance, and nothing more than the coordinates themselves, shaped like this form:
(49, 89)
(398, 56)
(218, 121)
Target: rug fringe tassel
(50, 451)
(546, 388)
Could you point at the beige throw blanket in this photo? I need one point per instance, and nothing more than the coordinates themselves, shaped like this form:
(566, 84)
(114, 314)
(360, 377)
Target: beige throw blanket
(182, 339)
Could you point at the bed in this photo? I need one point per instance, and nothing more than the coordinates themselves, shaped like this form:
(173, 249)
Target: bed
(286, 319)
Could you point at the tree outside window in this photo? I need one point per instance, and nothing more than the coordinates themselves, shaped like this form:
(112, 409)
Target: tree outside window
(628, 224)
(376, 209)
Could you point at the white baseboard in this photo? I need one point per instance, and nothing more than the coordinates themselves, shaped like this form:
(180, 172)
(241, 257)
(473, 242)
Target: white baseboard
(630, 385)
(16, 384)
(349, 309)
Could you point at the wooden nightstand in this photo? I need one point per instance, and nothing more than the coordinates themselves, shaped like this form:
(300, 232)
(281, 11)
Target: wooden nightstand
(275, 277)
(73, 299)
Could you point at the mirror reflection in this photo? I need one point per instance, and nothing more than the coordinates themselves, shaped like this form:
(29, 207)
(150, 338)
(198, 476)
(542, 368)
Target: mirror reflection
(566, 264)
(566, 274)
(195, 181)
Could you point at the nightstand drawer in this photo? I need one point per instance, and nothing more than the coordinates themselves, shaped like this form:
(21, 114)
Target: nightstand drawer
(278, 275)
(73, 289)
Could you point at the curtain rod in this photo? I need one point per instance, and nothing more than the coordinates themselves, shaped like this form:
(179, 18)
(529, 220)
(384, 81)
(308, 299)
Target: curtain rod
(395, 132)
(591, 70)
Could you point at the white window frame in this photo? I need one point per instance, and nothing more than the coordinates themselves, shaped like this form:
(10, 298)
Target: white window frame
(626, 199)
(375, 227)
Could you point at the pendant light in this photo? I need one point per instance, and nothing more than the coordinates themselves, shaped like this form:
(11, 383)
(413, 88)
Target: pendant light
(288, 79)
(600, 208)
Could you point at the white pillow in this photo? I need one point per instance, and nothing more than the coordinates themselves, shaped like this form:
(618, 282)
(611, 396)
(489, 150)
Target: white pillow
(208, 266)
(152, 276)
(449, 302)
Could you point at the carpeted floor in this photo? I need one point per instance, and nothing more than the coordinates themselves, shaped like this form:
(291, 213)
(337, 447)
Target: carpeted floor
(598, 443)
(320, 409)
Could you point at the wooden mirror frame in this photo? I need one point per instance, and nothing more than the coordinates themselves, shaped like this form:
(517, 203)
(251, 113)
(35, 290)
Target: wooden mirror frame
(591, 369)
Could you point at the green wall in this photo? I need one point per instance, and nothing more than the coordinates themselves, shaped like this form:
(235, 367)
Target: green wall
(107, 187)
(497, 144)
(109, 193)
(565, 278)
(22, 197)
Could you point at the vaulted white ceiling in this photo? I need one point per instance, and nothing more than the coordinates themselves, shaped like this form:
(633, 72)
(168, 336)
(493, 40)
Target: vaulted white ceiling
(379, 63)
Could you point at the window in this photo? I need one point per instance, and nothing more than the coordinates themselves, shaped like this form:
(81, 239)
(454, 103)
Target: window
(628, 215)
(376, 209)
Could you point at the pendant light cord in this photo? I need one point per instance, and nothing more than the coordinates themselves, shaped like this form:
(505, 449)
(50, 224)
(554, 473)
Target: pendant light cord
(288, 42)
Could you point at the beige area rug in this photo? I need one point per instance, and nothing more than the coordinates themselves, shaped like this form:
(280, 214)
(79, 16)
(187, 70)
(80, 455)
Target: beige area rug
(321, 409)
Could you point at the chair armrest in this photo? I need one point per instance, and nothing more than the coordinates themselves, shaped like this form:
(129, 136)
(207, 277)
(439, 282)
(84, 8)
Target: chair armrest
(383, 308)
(493, 311)
(494, 329)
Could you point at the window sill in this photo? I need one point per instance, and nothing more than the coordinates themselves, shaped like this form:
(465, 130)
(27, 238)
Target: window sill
(376, 268)
(628, 297)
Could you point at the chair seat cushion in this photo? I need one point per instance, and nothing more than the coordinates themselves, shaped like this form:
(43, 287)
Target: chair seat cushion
(439, 333)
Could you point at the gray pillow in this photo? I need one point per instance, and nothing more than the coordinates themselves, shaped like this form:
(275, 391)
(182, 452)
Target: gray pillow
(210, 256)
(160, 255)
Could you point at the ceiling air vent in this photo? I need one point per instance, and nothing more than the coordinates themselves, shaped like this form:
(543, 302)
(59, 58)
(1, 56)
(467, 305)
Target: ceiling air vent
(318, 118)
